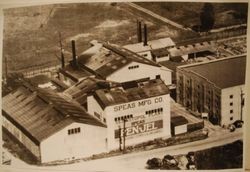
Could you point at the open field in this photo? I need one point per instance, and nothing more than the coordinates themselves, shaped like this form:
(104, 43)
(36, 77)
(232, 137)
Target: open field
(31, 34)
(188, 13)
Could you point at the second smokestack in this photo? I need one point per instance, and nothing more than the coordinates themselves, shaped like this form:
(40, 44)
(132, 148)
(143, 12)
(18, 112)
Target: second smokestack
(75, 63)
(145, 43)
(139, 32)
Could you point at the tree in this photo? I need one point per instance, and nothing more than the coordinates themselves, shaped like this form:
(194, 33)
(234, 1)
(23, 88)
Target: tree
(207, 17)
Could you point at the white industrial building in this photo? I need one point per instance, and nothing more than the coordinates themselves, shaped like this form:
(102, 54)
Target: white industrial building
(216, 88)
(51, 127)
(143, 107)
(113, 63)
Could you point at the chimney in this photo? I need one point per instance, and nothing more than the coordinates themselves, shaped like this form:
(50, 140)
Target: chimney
(139, 33)
(62, 59)
(74, 62)
(145, 43)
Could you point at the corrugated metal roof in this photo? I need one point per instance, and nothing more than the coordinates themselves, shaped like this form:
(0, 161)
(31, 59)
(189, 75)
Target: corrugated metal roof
(40, 113)
(224, 73)
(106, 60)
(87, 86)
(119, 95)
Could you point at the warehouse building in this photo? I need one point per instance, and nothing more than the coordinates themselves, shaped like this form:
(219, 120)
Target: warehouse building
(216, 87)
(112, 63)
(50, 126)
(138, 111)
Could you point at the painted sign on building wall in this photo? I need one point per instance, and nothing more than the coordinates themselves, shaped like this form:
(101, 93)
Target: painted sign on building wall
(139, 127)
(137, 104)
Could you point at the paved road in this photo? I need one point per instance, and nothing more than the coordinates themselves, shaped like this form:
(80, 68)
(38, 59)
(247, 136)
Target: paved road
(165, 20)
(136, 161)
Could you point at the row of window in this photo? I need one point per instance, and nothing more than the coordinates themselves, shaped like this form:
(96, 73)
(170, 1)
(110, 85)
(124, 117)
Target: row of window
(117, 119)
(133, 67)
(74, 131)
(159, 110)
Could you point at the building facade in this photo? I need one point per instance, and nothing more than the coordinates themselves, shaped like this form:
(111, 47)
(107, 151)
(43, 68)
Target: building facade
(51, 127)
(113, 63)
(141, 113)
(215, 87)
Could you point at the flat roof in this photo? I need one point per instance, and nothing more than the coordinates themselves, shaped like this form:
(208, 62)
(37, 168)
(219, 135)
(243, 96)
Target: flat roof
(40, 113)
(131, 91)
(224, 72)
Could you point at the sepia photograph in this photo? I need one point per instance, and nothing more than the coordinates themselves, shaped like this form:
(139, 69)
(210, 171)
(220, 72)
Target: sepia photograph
(110, 86)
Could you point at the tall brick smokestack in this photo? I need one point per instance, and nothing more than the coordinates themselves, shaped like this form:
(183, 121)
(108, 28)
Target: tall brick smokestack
(145, 42)
(139, 32)
(74, 62)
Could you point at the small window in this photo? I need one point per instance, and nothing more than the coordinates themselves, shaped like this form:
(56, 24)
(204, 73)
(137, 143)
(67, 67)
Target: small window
(231, 96)
(115, 119)
(104, 120)
(231, 103)
(231, 118)
(231, 111)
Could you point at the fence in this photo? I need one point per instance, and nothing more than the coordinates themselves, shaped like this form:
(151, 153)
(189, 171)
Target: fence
(49, 71)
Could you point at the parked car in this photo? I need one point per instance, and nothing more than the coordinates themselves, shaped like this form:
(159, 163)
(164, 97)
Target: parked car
(169, 161)
(231, 127)
(190, 157)
(191, 166)
(154, 163)
(238, 123)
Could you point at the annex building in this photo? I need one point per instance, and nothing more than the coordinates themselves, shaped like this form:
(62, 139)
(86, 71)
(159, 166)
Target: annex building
(50, 126)
(216, 87)
(113, 63)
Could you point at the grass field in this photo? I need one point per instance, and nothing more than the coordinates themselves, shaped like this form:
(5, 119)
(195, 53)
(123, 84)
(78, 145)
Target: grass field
(188, 13)
(31, 33)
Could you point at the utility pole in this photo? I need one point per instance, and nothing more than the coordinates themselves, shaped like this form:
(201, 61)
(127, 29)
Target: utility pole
(120, 138)
(124, 134)
(241, 103)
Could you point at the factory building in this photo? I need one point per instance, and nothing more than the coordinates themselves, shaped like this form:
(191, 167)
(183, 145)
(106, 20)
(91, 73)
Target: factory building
(112, 63)
(215, 88)
(50, 126)
(138, 111)
(155, 50)
(192, 51)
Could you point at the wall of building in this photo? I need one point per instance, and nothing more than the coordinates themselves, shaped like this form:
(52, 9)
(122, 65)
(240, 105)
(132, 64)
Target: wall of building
(18, 134)
(63, 146)
(198, 94)
(146, 122)
(231, 107)
(95, 109)
(141, 71)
